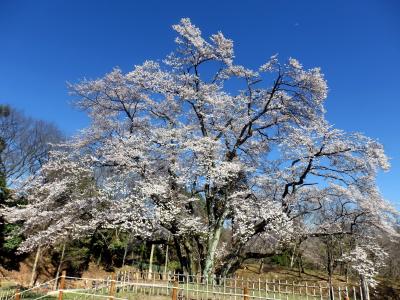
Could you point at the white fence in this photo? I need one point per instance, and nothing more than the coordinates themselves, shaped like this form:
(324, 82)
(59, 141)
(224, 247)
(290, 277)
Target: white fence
(128, 284)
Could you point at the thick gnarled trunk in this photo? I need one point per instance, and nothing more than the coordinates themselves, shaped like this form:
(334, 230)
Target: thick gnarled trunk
(212, 244)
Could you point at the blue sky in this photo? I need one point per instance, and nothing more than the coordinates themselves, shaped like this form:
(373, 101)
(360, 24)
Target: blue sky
(44, 44)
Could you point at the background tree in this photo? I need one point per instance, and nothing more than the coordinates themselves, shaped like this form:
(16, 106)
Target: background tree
(4, 192)
(24, 147)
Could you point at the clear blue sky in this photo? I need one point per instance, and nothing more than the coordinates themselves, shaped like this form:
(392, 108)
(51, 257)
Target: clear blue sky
(44, 44)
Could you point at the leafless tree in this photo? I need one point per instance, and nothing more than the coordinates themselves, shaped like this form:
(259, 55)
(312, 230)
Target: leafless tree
(26, 144)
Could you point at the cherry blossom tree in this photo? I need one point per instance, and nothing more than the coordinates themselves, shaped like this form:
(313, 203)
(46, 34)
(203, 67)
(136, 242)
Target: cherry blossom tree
(366, 261)
(198, 143)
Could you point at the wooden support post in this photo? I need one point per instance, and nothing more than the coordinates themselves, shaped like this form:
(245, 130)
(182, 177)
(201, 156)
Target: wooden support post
(175, 290)
(34, 268)
(320, 292)
(17, 295)
(112, 287)
(346, 297)
(59, 266)
(151, 261)
(246, 293)
(166, 260)
(62, 285)
(235, 286)
(306, 290)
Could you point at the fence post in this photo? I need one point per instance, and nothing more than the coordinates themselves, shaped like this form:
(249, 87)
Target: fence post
(62, 285)
(17, 295)
(346, 297)
(245, 293)
(112, 287)
(175, 290)
(320, 291)
(306, 290)
(124, 281)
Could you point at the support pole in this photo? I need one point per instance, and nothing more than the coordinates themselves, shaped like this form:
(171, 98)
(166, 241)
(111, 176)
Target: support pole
(59, 266)
(246, 293)
(112, 287)
(17, 295)
(62, 285)
(35, 263)
(175, 289)
(166, 261)
(151, 261)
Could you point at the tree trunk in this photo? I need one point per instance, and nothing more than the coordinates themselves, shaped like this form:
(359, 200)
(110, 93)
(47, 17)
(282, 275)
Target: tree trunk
(59, 266)
(299, 265)
(142, 248)
(233, 261)
(98, 260)
(230, 267)
(364, 288)
(166, 260)
(212, 243)
(330, 271)
(260, 269)
(202, 260)
(331, 295)
(125, 253)
(293, 256)
(133, 257)
(189, 256)
(33, 276)
(182, 260)
(130, 238)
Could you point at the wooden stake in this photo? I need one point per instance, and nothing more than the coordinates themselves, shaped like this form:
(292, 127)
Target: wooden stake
(306, 291)
(151, 261)
(346, 297)
(175, 291)
(112, 287)
(17, 295)
(166, 259)
(35, 263)
(62, 285)
(246, 293)
(59, 266)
